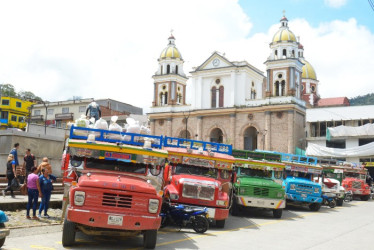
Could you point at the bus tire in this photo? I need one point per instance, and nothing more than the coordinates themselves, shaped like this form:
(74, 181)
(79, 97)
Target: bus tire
(277, 213)
(68, 233)
(220, 223)
(150, 239)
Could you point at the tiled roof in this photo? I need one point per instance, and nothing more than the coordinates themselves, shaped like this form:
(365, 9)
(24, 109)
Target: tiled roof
(334, 101)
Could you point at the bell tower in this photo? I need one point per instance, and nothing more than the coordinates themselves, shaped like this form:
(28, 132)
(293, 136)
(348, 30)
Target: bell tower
(283, 66)
(169, 79)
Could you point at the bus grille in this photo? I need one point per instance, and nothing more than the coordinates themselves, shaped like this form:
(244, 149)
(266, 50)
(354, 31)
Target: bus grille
(261, 191)
(117, 200)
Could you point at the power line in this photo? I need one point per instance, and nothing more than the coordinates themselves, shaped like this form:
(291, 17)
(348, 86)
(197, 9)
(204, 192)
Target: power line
(371, 4)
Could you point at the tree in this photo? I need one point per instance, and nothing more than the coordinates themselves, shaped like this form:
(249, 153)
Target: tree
(28, 95)
(8, 90)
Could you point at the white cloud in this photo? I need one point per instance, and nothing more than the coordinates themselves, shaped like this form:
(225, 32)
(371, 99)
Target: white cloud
(335, 3)
(110, 49)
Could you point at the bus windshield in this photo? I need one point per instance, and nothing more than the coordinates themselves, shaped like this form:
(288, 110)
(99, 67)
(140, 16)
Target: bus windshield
(255, 173)
(120, 166)
(195, 170)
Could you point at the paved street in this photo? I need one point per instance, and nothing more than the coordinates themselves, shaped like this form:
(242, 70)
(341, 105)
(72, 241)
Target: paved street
(348, 227)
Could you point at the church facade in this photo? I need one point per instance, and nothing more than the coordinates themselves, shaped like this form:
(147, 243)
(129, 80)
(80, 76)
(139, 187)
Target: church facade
(233, 102)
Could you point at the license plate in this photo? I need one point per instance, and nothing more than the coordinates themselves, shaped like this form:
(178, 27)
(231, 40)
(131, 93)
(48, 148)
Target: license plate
(115, 220)
(303, 195)
(261, 202)
(211, 213)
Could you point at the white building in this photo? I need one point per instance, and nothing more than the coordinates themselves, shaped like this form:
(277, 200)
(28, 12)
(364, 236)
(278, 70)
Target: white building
(351, 137)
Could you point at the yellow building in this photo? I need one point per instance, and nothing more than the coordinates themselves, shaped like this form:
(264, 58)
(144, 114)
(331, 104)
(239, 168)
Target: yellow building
(13, 112)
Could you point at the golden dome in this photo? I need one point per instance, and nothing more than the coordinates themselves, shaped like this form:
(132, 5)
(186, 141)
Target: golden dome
(171, 52)
(308, 70)
(284, 35)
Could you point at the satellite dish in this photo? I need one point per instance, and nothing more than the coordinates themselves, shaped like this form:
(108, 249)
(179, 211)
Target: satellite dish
(130, 121)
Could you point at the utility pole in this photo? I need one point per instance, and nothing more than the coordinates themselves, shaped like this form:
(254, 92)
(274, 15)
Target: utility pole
(45, 119)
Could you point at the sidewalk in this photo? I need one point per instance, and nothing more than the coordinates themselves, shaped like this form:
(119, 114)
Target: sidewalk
(20, 201)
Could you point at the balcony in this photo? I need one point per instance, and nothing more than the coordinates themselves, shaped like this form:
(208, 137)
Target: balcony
(37, 118)
(64, 116)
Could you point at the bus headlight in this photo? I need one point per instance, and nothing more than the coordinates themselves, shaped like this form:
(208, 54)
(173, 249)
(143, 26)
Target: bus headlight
(153, 205)
(316, 190)
(292, 186)
(221, 203)
(279, 194)
(79, 197)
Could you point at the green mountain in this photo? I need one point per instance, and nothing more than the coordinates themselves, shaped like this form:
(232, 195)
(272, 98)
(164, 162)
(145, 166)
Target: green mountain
(362, 100)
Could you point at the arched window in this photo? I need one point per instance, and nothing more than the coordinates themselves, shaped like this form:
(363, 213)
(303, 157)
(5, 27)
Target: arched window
(293, 53)
(276, 88)
(214, 97)
(284, 52)
(179, 98)
(185, 134)
(166, 98)
(161, 99)
(168, 69)
(250, 138)
(176, 69)
(276, 52)
(216, 135)
(221, 96)
(283, 89)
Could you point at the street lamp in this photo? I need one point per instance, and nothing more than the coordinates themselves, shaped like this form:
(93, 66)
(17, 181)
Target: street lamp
(186, 116)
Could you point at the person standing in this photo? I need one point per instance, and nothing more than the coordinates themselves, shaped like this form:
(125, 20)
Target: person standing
(10, 174)
(45, 165)
(14, 153)
(33, 187)
(28, 162)
(94, 109)
(45, 181)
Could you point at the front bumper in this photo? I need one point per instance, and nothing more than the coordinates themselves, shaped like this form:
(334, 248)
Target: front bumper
(361, 191)
(101, 220)
(260, 202)
(4, 233)
(300, 198)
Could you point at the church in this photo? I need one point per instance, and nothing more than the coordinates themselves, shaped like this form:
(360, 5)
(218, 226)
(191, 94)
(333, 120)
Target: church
(235, 103)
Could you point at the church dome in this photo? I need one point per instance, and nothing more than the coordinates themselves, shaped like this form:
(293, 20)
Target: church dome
(284, 35)
(308, 70)
(171, 51)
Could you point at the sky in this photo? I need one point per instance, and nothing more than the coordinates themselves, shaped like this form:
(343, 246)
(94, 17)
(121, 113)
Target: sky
(109, 49)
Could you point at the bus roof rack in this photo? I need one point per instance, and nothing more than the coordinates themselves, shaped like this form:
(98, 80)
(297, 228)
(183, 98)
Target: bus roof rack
(294, 158)
(103, 135)
(195, 144)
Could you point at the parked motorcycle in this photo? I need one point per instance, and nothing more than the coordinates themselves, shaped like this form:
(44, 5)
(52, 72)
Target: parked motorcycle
(183, 216)
(329, 199)
(348, 196)
(3, 231)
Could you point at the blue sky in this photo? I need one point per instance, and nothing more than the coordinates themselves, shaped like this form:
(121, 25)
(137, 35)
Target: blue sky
(263, 13)
(110, 49)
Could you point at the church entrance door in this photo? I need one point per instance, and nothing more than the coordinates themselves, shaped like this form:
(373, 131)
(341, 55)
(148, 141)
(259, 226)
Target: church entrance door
(250, 138)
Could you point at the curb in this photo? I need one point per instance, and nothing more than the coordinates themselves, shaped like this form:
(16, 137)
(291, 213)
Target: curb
(13, 206)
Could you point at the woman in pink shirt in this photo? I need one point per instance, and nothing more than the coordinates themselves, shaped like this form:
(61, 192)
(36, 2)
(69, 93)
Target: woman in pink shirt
(33, 188)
